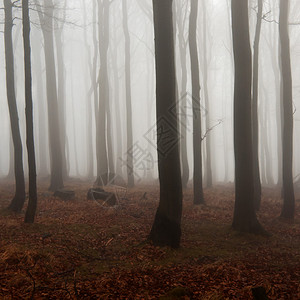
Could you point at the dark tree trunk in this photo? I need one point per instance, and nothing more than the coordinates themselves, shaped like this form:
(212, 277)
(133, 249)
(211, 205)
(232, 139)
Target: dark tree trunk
(101, 142)
(197, 135)
(166, 229)
(255, 129)
(19, 198)
(46, 20)
(31, 209)
(129, 162)
(11, 172)
(288, 209)
(244, 218)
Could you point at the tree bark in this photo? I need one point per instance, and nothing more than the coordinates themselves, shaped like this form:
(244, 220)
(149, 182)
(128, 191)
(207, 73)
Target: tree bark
(102, 158)
(255, 129)
(46, 19)
(197, 131)
(166, 229)
(288, 209)
(117, 113)
(244, 218)
(32, 203)
(208, 167)
(19, 198)
(130, 171)
(89, 131)
(183, 95)
(42, 149)
(61, 98)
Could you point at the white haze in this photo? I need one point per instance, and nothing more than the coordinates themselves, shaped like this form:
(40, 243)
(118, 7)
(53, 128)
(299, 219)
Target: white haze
(220, 82)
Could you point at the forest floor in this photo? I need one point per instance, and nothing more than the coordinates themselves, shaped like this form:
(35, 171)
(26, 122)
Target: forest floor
(78, 249)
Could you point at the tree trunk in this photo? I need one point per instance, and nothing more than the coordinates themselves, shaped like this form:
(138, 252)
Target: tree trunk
(129, 162)
(288, 209)
(19, 198)
(166, 229)
(266, 138)
(119, 134)
(61, 94)
(11, 164)
(183, 95)
(206, 99)
(42, 116)
(31, 209)
(255, 129)
(89, 130)
(244, 218)
(102, 159)
(46, 19)
(197, 132)
(110, 152)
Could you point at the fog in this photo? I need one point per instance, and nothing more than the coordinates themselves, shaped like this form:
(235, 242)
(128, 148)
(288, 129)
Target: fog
(75, 25)
(131, 128)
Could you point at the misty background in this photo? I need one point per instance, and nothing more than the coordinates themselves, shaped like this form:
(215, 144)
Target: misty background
(75, 24)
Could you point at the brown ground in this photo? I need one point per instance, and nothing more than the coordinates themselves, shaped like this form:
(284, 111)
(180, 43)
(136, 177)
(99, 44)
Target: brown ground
(80, 250)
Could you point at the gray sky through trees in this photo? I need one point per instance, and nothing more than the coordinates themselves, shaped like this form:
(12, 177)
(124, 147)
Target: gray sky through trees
(220, 81)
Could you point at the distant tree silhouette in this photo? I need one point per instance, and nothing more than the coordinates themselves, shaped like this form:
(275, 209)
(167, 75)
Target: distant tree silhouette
(129, 164)
(56, 161)
(101, 131)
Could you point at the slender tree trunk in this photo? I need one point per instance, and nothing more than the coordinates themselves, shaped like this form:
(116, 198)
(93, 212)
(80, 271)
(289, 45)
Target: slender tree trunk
(46, 19)
(166, 229)
(102, 158)
(288, 209)
(61, 78)
(197, 132)
(11, 165)
(31, 209)
(110, 152)
(255, 129)
(130, 171)
(119, 135)
(244, 218)
(276, 68)
(95, 61)
(74, 132)
(11, 175)
(89, 131)
(19, 198)
(42, 116)
(266, 130)
(183, 96)
(208, 168)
